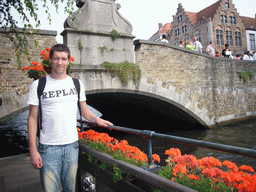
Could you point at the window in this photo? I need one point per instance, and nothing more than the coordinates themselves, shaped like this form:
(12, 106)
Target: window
(252, 41)
(180, 19)
(238, 38)
(184, 29)
(229, 37)
(223, 18)
(227, 5)
(219, 36)
(232, 20)
(176, 42)
(186, 38)
(198, 36)
(177, 32)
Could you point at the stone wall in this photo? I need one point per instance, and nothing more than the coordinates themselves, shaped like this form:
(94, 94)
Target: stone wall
(208, 83)
(15, 83)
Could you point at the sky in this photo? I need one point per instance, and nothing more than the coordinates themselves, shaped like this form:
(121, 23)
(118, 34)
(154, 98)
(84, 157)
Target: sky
(144, 15)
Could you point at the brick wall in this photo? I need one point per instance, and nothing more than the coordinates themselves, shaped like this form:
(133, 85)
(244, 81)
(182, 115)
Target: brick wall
(11, 77)
(212, 83)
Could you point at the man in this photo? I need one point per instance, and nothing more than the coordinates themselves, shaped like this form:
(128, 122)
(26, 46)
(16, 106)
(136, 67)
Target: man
(210, 50)
(246, 56)
(164, 39)
(181, 43)
(254, 55)
(197, 44)
(57, 154)
(226, 52)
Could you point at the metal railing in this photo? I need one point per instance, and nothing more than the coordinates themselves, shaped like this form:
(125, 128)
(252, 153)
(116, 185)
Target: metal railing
(197, 143)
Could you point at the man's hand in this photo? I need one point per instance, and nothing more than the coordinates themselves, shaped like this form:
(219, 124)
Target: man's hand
(102, 122)
(36, 159)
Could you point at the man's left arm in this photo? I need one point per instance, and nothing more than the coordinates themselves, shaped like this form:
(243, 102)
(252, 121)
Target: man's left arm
(87, 114)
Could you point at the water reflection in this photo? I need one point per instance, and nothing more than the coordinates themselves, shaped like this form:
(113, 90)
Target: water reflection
(241, 134)
(14, 136)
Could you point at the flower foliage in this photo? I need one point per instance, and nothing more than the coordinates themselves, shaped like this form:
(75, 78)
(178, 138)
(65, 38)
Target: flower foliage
(36, 71)
(205, 174)
(118, 149)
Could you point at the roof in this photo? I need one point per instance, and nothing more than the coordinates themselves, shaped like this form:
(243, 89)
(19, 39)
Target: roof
(249, 23)
(205, 13)
(192, 17)
(165, 29)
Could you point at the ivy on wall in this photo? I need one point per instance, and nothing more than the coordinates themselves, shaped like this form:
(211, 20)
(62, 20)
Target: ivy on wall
(126, 71)
(245, 75)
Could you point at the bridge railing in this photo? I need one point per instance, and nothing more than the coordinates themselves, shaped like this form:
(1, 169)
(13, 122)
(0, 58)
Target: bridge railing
(146, 174)
(181, 140)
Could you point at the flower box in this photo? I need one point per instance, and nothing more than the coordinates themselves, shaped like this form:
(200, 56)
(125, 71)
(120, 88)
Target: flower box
(143, 180)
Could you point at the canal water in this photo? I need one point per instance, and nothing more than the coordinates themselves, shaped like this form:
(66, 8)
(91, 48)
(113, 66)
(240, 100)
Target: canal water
(14, 139)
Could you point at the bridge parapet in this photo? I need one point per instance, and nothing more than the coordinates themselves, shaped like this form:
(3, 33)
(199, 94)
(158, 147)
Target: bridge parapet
(210, 87)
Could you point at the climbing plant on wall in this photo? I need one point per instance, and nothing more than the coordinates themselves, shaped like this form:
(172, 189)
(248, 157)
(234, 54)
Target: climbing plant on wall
(126, 71)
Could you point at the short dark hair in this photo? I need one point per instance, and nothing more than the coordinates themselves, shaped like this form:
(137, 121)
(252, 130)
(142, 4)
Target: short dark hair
(164, 36)
(60, 48)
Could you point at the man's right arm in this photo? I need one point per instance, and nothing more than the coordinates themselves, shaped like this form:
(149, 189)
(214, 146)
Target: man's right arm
(35, 157)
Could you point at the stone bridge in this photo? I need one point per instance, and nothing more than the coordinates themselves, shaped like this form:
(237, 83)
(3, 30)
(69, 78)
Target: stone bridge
(205, 89)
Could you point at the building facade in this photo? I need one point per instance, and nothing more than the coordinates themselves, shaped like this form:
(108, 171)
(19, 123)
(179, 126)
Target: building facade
(219, 23)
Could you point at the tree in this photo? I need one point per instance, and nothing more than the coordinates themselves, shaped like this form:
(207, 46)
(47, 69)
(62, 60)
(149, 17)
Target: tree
(27, 10)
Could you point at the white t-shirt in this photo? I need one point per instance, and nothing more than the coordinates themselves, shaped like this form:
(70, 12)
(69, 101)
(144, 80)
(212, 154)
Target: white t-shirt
(198, 46)
(59, 108)
(211, 51)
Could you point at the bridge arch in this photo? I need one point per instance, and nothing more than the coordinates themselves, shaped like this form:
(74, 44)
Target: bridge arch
(138, 106)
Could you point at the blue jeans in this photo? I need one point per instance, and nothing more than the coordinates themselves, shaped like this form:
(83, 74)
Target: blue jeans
(59, 162)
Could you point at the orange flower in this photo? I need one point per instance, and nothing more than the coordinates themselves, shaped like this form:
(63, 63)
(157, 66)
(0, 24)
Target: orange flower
(34, 63)
(179, 168)
(247, 168)
(230, 165)
(193, 177)
(48, 49)
(72, 59)
(210, 162)
(25, 68)
(173, 152)
(43, 52)
(156, 158)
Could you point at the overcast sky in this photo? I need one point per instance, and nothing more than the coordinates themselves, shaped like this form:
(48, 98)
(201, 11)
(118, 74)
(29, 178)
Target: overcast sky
(144, 15)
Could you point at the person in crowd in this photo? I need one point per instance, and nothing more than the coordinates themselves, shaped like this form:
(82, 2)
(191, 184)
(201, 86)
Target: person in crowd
(181, 43)
(210, 50)
(164, 39)
(238, 57)
(246, 56)
(250, 57)
(217, 54)
(254, 55)
(226, 52)
(189, 46)
(197, 44)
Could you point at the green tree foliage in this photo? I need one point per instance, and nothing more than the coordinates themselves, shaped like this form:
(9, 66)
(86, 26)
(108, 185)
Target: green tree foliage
(27, 12)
